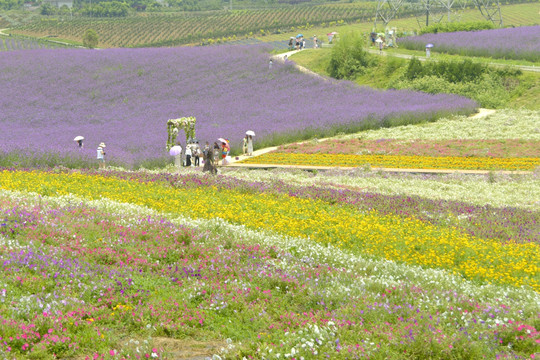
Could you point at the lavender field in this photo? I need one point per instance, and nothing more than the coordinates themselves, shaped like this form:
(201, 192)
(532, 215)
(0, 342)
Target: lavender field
(513, 43)
(124, 97)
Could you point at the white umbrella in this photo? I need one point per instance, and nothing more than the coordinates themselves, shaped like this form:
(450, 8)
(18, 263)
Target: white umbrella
(223, 140)
(379, 40)
(77, 138)
(175, 150)
(250, 132)
(429, 45)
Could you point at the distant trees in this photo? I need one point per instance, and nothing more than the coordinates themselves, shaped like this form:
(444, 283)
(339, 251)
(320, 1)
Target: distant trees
(10, 4)
(106, 9)
(90, 39)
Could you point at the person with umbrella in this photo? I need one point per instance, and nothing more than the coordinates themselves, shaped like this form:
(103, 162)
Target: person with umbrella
(79, 139)
(225, 149)
(428, 50)
(176, 151)
(380, 41)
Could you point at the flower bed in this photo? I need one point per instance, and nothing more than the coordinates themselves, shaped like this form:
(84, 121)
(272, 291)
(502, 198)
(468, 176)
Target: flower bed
(110, 280)
(396, 161)
(370, 233)
(452, 148)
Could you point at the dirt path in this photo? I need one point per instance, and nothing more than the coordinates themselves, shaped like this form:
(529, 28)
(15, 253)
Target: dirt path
(284, 57)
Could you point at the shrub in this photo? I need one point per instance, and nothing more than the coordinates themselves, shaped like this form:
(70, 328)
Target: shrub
(90, 39)
(457, 26)
(348, 57)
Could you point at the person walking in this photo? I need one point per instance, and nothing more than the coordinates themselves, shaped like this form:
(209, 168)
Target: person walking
(315, 44)
(196, 154)
(244, 145)
(208, 157)
(250, 145)
(270, 63)
(225, 152)
(188, 155)
(101, 155)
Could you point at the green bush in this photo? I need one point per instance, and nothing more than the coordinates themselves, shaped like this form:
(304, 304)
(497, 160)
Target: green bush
(414, 69)
(457, 26)
(488, 90)
(452, 71)
(348, 58)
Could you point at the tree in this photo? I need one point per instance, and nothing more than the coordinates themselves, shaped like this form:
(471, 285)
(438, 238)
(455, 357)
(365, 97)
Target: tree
(90, 39)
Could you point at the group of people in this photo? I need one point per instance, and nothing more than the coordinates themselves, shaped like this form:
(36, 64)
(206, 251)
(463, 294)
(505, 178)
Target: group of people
(100, 150)
(193, 153)
(211, 155)
(299, 43)
(381, 41)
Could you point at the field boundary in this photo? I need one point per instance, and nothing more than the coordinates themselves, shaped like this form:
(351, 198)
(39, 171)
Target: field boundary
(393, 170)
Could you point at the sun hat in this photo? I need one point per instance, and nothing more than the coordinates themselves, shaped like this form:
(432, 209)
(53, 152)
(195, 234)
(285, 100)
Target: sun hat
(102, 144)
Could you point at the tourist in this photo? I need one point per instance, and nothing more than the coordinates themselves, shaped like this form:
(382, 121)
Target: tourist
(225, 149)
(315, 44)
(250, 145)
(291, 43)
(244, 145)
(270, 64)
(188, 155)
(428, 52)
(101, 155)
(217, 152)
(196, 154)
(208, 157)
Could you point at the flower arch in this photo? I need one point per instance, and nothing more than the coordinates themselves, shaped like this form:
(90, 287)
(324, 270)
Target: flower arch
(175, 125)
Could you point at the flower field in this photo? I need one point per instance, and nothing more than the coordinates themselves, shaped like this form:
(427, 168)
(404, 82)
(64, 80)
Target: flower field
(132, 264)
(124, 98)
(398, 161)
(494, 142)
(509, 43)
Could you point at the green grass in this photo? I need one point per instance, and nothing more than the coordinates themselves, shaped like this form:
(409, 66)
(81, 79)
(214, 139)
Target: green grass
(389, 68)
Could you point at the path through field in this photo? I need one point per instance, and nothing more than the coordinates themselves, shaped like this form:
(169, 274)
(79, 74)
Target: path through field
(423, 58)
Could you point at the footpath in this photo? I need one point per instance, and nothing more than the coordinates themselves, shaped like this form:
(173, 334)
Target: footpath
(423, 58)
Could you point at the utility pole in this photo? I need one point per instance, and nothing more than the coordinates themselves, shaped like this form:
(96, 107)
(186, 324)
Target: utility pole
(427, 13)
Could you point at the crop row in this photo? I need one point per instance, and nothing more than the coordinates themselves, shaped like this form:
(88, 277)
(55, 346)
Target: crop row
(397, 161)
(110, 280)
(407, 240)
(180, 29)
(509, 43)
(455, 148)
(8, 44)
